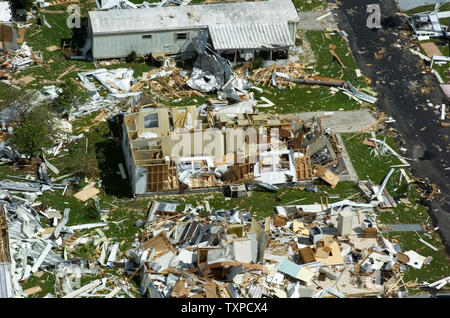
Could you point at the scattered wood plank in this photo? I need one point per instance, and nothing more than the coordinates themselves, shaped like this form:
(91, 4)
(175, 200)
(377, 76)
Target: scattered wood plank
(52, 48)
(369, 143)
(430, 49)
(32, 290)
(21, 37)
(327, 176)
(78, 84)
(67, 71)
(332, 52)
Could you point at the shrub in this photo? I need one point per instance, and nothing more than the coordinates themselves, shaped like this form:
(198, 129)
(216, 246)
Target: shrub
(70, 94)
(132, 57)
(33, 132)
(84, 164)
(257, 62)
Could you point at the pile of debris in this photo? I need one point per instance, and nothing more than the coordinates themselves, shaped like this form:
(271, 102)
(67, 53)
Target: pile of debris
(40, 241)
(21, 59)
(263, 76)
(167, 83)
(303, 251)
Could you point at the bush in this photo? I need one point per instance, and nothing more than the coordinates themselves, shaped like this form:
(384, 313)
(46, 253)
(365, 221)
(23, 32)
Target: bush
(84, 164)
(132, 58)
(22, 4)
(257, 62)
(70, 95)
(33, 132)
(92, 212)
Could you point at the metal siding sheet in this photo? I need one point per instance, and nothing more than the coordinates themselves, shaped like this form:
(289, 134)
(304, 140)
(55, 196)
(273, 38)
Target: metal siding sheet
(250, 36)
(121, 45)
(6, 290)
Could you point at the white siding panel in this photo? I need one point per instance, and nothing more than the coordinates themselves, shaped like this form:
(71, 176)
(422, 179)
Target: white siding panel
(121, 45)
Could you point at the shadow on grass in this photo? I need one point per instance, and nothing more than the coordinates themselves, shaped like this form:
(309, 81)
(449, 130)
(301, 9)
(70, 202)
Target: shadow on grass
(78, 39)
(109, 155)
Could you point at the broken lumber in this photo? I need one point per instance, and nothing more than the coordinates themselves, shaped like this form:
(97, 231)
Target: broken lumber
(329, 82)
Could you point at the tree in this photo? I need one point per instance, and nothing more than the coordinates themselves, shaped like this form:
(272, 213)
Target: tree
(33, 132)
(22, 4)
(82, 162)
(70, 95)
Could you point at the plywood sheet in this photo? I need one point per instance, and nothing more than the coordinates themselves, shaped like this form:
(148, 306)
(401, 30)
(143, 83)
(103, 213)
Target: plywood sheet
(335, 258)
(305, 275)
(21, 37)
(327, 176)
(430, 49)
(300, 228)
(161, 245)
(211, 290)
(6, 33)
(86, 193)
(52, 48)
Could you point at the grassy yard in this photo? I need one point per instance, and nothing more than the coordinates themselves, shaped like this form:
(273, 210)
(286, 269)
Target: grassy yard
(376, 168)
(304, 98)
(443, 70)
(430, 7)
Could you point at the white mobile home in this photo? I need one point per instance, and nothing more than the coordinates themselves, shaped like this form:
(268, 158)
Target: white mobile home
(232, 27)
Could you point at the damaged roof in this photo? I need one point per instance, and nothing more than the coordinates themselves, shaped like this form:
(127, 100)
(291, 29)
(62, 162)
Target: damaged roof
(250, 36)
(198, 16)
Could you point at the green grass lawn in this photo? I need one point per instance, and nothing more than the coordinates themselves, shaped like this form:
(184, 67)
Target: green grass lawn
(310, 5)
(8, 95)
(365, 164)
(328, 67)
(305, 98)
(376, 168)
(437, 269)
(430, 7)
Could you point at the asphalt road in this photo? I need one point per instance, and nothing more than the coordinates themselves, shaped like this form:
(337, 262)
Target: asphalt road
(398, 77)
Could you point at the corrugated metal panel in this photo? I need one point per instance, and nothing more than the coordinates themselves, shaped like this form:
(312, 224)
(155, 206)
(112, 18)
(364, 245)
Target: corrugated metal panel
(198, 16)
(121, 45)
(250, 36)
(6, 290)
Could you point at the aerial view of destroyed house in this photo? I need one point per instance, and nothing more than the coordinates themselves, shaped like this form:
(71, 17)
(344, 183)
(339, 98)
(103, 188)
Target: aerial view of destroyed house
(224, 149)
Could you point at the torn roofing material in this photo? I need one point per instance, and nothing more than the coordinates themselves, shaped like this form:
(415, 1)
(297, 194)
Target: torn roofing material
(199, 16)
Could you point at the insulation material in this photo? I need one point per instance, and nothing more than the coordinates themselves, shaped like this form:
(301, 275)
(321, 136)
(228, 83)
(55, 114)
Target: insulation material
(115, 81)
